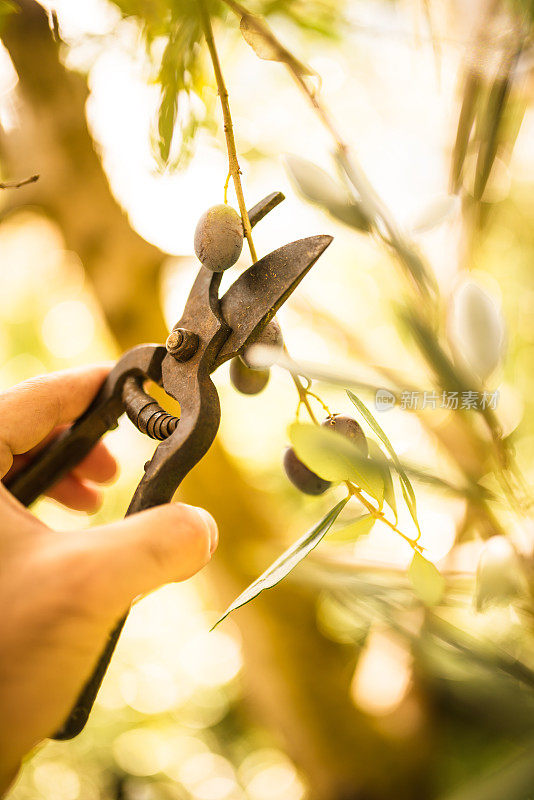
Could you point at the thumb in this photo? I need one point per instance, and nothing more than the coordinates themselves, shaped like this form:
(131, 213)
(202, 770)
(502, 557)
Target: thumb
(142, 552)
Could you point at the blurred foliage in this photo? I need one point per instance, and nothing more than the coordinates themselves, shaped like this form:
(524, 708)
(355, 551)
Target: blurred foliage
(185, 107)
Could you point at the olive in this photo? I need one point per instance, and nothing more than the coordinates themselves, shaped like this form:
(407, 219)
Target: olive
(348, 427)
(219, 238)
(271, 335)
(302, 477)
(246, 380)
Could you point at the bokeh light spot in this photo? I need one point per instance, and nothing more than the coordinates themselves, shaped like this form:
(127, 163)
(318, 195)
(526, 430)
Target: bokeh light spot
(68, 328)
(382, 676)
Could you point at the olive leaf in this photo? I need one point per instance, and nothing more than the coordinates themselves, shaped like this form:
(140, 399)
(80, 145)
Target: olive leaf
(376, 454)
(288, 560)
(468, 111)
(7, 7)
(179, 73)
(335, 458)
(439, 210)
(261, 356)
(355, 529)
(259, 36)
(264, 355)
(491, 125)
(406, 487)
(500, 575)
(447, 375)
(318, 187)
(426, 580)
(313, 182)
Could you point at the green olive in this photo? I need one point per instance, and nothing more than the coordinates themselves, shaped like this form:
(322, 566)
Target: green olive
(271, 335)
(246, 380)
(219, 238)
(301, 477)
(348, 427)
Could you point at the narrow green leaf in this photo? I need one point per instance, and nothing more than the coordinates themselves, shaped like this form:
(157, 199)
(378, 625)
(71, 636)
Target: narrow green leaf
(439, 210)
(314, 183)
(288, 560)
(8, 7)
(427, 582)
(389, 492)
(178, 78)
(168, 111)
(335, 458)
(354, 530)
(500, 575)
(259, 36)
(318, 187)
(491, 124)
(406, 487)
(470, 101)
(351, 214)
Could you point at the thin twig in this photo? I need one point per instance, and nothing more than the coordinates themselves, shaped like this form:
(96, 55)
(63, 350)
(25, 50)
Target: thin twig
(355, 491)
(18, 184)
(385, 225)
(233, 163)
(366, 190)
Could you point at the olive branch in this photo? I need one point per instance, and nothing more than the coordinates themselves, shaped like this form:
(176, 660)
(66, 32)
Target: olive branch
(375, 207)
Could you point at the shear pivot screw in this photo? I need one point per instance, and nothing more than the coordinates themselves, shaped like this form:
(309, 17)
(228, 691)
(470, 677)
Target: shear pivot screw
(182, 344)
(174, 340)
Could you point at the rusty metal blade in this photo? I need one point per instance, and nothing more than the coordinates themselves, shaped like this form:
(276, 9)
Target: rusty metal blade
(261, 209)
(255, 297)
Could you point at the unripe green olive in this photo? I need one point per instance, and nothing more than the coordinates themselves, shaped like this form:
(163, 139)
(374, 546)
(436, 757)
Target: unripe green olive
(300, 476)
(271, 335)
(219, 238)
(348, 427)
(246, 380)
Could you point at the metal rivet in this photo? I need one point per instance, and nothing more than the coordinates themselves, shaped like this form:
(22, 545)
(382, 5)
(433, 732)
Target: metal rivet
(174, 340)
(182, 344)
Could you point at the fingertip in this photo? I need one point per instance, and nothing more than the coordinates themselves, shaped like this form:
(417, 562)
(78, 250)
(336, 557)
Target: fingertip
(212, 528)
(76, 494)
(127, 559)
(207, 523)
(99, 466)
(95, 498)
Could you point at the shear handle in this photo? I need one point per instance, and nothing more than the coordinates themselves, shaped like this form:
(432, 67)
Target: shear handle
(172, 460)
(66, 452)
(74, 444)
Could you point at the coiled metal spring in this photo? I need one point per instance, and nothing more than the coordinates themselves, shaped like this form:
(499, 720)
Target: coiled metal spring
(146, 413)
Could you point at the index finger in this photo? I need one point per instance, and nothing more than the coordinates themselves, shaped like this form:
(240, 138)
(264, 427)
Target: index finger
(32, 409)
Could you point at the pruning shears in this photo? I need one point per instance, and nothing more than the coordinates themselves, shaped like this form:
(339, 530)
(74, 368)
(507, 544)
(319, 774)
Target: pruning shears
(211, 330)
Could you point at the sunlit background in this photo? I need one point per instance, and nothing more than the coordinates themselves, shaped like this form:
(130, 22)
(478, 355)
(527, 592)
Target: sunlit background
(184, 712)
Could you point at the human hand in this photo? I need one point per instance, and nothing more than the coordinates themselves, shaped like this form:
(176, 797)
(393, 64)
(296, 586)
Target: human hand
(61, 593)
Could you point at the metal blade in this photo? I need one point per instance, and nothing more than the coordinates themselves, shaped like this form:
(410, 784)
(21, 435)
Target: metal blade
(254, 298)
(261, 209)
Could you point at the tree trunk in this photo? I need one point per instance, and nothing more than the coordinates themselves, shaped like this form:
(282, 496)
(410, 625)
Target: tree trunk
(53, 140)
